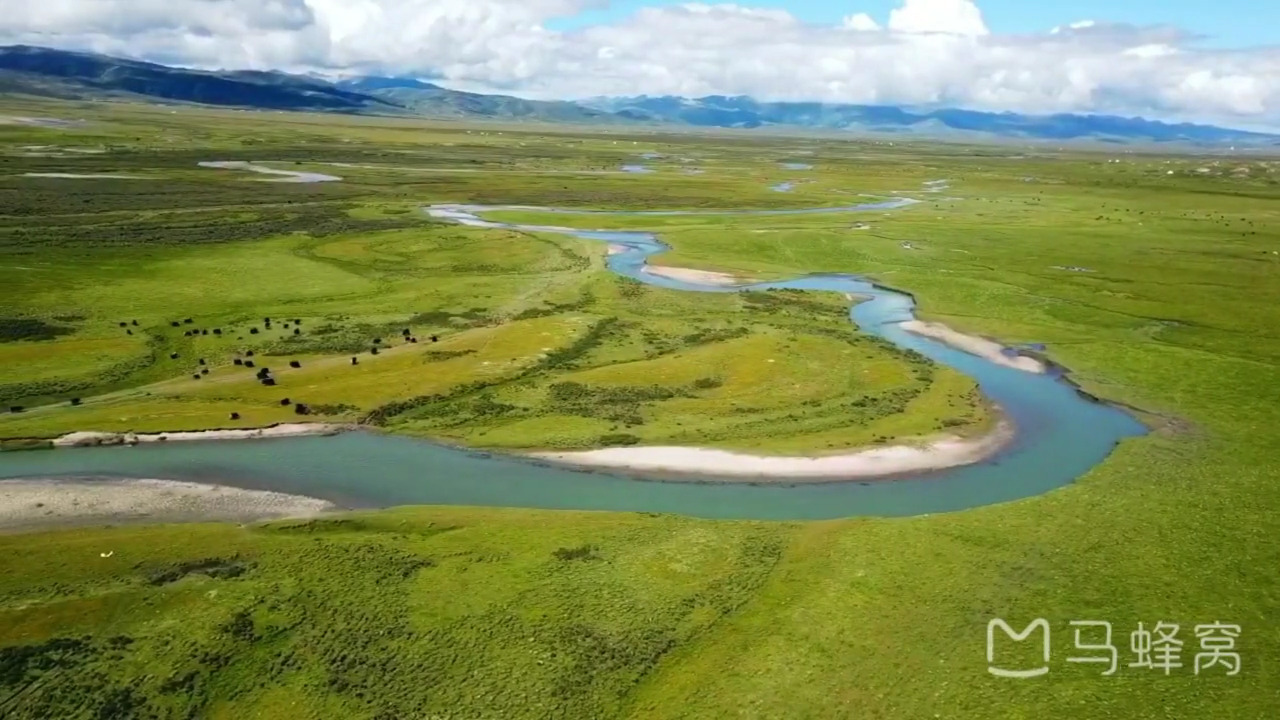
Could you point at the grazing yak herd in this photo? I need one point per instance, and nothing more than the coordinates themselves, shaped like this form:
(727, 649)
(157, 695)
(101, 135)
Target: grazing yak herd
(263, 374)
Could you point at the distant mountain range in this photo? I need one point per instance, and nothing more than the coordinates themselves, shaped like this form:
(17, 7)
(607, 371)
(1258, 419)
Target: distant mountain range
(58, 73)
(745, 112)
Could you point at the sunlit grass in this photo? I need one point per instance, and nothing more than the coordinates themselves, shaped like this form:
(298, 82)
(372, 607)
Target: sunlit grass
(460, 612)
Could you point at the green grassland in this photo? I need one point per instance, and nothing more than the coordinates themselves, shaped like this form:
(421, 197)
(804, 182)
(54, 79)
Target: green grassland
(494, 613)
(539, 346)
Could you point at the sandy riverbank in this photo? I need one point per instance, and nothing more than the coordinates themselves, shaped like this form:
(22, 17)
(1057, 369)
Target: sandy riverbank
(81, 176)
(285, 175)
(983, 348)
(703, 277)
(32, 504)
(89, 439)
(880, 462)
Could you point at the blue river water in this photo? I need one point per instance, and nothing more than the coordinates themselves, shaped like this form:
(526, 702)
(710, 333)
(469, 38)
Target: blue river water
(1060, 434)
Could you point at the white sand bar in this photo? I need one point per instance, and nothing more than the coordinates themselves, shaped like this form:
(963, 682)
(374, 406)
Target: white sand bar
(704, 277)
(938, 454)
(983, 348)
(286, 175)
(81, 176)
(89, 439)
(46, 503)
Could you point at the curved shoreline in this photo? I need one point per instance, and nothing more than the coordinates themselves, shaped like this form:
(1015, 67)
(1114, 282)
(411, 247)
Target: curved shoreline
(873, 463)
(989, 350)
(929, 454)
(1060, 434)
(33, 504)
(708, 277)
(96, 439)
(934, 454)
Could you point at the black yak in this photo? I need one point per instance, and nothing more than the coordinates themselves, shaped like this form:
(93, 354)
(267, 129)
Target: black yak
(355, 361)
(253, 331)
(217, 331)
(285, 401)
(75, 401)
(188, 321)
(173, 356)
(238, 361)
(195, 376)
(235, 416)
(130, 332)
(302, 409)
(135, 323)
(435, 338)
(202, 362)
(405, 332)
(296, 331)
(377, 341)
(248, 363)
(295, 364)
(124, 324)
(175, 323)
(15, 408)
(269, 382)
(249, 353)
(263, 372)
(374, 351)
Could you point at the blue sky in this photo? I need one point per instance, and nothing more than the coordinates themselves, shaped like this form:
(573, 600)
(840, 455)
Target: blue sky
(1228, 23)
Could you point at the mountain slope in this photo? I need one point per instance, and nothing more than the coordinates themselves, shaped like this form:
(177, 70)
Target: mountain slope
(435, 101)
(68, 74)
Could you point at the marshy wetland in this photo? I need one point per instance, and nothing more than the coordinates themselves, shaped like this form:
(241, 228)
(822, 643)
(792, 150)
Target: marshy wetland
(134, 306)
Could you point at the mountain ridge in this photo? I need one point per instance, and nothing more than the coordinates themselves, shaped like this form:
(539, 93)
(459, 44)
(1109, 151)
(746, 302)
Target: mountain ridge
(46, 71)
(745, 112)
(79, 75)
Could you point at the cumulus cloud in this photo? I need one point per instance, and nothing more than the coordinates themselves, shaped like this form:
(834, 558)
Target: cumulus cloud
(926, 52)
(960, 17)
(861, 21)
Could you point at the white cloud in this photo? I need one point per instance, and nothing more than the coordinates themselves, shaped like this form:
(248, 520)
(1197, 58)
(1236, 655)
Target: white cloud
(925, 52)
(1154, 50)
(960, 17)
(860, 21)
(1078, 25)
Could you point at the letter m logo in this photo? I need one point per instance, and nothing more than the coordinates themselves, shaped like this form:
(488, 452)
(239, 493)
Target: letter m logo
(1037, 624)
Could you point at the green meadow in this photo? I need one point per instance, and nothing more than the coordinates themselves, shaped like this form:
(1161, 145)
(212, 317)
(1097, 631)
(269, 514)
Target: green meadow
(1151, 275)
(137, 304)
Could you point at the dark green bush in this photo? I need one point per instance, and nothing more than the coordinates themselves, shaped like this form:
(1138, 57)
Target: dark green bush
(13, 329)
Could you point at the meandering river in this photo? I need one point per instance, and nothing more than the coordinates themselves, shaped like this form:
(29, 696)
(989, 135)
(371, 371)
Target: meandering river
(1060, 435)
